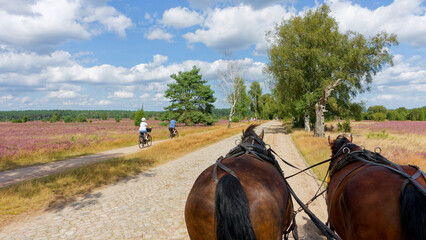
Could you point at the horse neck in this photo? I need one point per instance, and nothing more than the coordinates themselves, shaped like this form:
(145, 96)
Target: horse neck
(254, 140)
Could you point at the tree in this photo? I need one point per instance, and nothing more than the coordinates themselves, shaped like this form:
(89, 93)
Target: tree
(310, 61)
(140, 113)
(242, 107)
(254, 93)
(232, 85)
(191, 100)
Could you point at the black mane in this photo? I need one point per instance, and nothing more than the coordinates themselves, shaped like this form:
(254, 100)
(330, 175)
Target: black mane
(338, 143)
(249, 132)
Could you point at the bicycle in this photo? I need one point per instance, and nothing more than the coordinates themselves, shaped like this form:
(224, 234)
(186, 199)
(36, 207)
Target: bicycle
(173, 134)
(148, 141)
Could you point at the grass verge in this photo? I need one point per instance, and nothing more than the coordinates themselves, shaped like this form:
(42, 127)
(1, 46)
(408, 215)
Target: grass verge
(56, 191)
(402, 149)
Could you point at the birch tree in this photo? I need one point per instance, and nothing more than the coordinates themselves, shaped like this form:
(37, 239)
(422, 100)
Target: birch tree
(232, 85)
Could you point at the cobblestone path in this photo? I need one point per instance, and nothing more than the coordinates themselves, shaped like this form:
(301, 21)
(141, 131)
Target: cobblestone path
(148, 206)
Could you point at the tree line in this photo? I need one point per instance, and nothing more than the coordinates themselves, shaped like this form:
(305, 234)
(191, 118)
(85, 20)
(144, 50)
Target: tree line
(86, 115)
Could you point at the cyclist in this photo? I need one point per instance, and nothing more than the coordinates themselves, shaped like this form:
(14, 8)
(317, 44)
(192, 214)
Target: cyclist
(172, 126)
(142, 129)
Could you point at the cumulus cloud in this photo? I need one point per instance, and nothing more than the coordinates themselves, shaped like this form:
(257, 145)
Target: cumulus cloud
(104, 102)
(122, 94)
(406, 18)
(41, 25)
(403, 84)
(159, 34)
(181, 17)
(234, 28)
(59, 77)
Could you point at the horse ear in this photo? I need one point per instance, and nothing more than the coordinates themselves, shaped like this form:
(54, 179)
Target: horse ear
(351, 137)
(329, 141)
(243, 132)
(262, 134)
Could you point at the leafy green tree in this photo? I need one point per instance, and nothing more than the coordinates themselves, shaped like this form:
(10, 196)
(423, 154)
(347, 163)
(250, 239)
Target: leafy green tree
(310, 60)
(140, 113)
(422, 115)
(356, 111)
(376, 109)
(68, 119)
(24, 118)
(269, 106)
(191, 99)
(242, 107)
(255, 93)
(81, 118)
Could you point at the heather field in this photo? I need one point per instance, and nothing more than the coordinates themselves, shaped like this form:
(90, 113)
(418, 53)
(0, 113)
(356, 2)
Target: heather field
(23, 144)
(402, 142)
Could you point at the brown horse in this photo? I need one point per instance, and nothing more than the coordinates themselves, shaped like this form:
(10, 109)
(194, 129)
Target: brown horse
(242, 196)
(370, 197)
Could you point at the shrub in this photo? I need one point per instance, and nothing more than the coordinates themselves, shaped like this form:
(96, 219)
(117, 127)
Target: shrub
(81, 118)
(379, 117)
(104, 116)
(24, 118)
(117, 119)
(382, 134)
(235, 119)
(69, 119)
(345, 126)
(16, 121)
(163, 124)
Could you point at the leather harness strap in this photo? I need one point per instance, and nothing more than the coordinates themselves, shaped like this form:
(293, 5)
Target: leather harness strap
(223, 167)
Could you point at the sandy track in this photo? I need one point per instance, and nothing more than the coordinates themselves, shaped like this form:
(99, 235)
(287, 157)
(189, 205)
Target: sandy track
(151, 205)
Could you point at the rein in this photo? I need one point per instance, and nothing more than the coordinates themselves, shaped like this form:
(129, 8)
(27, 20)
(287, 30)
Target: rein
(261, 152)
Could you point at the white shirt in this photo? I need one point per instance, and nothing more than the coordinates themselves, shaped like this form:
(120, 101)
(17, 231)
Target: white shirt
(143, 126)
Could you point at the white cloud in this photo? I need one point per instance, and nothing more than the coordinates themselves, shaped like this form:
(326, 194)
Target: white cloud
(159, 34)
(179, 17)
(387, 97)
(123, 94)
(104, 102)
(406, 18)
(159, 97)
(234, 28)
(44, 24)
(145, 96)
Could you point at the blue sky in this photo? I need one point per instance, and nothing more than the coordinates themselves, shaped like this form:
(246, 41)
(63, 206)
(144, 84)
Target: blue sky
(99, 54)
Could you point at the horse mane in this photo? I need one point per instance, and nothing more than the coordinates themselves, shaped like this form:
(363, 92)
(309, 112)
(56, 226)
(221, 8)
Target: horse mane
(338, 143)
(249, 131)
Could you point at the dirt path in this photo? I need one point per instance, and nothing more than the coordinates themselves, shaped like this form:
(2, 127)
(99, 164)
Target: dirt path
(151, 205)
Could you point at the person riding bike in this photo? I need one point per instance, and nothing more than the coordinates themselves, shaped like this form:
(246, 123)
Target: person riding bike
(172, 126)
(142, 129)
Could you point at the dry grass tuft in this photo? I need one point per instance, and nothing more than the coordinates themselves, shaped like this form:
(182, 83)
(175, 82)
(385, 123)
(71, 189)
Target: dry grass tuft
(50, 193)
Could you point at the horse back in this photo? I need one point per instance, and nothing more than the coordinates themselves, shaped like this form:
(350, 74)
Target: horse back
(366, 201)
(265, 189)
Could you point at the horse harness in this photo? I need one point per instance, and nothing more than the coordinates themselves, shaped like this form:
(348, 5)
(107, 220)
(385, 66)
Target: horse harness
(373, 158)
(376, 159)
(260, 151)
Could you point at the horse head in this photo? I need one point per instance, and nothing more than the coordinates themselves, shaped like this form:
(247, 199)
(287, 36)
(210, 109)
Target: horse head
(250, 136)
(339, 143)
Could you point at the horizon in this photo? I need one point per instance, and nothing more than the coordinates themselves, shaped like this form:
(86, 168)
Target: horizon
(104, 55)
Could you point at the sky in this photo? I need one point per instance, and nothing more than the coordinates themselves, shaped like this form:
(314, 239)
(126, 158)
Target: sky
(119, 55)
